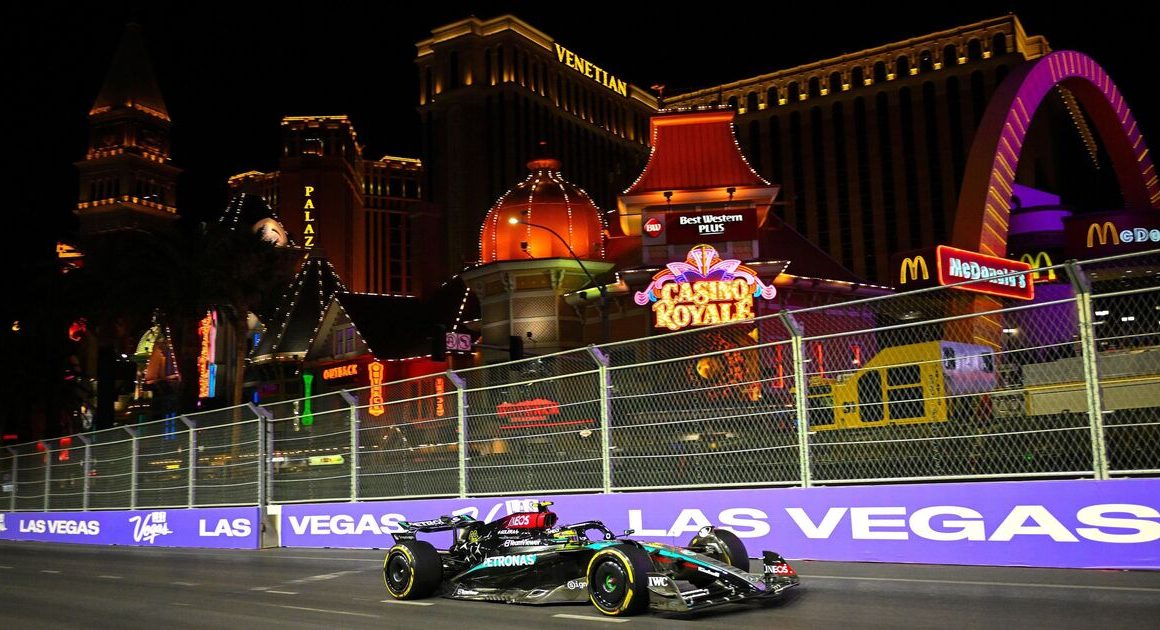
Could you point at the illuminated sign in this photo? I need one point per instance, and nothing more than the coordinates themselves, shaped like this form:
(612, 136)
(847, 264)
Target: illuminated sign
(653, 227)
(440, 407)
(375, 372)
(590, 70)
(458, 342)
(703, 290)
(307, 402)
(1037, 262)
(1004, 278)
(206, 370)
(342, 371)
(690, 228)
(308, 231)
(325, 460)
(1107, 232)
(911, 267)
(539, 412)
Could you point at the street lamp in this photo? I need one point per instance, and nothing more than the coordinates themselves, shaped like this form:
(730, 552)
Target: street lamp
(599, 287)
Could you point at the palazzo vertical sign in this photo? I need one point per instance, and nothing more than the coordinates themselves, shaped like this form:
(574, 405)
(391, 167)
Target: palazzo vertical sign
(308, 219)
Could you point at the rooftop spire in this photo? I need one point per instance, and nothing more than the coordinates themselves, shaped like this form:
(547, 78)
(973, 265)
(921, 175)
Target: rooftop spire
(131, 82)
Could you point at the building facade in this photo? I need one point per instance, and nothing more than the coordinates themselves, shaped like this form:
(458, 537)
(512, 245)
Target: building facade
(490, 91)
(871, 147)
(365, 216)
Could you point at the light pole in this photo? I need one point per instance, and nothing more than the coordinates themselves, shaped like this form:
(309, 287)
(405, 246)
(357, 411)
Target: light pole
(599, 287)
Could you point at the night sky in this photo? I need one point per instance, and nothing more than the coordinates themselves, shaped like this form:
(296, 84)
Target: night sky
(229, 72)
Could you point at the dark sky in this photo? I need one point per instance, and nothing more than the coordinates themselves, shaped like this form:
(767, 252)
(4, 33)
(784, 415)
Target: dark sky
(229, 72)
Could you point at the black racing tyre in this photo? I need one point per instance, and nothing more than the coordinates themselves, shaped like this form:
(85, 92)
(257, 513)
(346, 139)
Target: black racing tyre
(618, 580)
(412, 570)
(729, 549)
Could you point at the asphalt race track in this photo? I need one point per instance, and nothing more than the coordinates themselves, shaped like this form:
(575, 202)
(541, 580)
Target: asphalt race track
(75, 586)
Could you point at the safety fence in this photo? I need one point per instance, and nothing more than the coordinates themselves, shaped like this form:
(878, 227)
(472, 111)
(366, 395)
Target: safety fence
(941, 383)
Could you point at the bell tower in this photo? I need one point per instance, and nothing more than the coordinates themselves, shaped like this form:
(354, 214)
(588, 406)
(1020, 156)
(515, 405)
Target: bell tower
(126, 179)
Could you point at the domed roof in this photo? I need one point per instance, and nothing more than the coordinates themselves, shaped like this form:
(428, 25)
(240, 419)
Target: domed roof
(521, 224)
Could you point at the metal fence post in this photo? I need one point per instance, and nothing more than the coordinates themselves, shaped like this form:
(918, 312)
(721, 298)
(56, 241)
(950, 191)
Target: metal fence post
(189, 424)
(47, 476)
(354, 425)
(133, 452)
(15, 469)
(461, 404)
(1087, 343)
(86, 466)
(801, 395)
(605, 385)
(265, 456)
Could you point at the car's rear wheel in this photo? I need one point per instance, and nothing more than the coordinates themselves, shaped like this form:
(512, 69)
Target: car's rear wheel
(724, 546)
(412, 570)
(618, 580)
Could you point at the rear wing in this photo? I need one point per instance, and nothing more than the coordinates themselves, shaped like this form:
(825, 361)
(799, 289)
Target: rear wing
(441, 524)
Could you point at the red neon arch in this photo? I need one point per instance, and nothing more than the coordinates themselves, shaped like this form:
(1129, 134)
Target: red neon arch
(984, 202)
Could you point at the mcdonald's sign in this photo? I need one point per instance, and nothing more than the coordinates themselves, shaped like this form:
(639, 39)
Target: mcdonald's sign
(1041, 260)
(1108, 233)
(911, 267)
(994, 275)
(1105, 232)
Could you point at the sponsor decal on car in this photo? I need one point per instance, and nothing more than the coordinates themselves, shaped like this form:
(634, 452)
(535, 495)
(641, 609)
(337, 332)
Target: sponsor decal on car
(574, 585)
(658, 580)
(522, 543)
(779, 569)
(517, 560)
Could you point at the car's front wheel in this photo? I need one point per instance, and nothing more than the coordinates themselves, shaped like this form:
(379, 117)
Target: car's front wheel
(618, 580)
(412, 570)
(723, 546)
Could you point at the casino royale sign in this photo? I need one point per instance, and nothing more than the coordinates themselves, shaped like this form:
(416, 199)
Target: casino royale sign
(591, 70)
(703, 290)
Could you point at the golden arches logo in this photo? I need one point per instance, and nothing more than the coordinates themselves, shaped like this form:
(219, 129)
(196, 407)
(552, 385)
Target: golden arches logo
(1106, 232)
(911, 267)
(1039, 261)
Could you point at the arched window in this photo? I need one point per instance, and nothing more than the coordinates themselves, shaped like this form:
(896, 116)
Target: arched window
(453, 70)
(925, 61)
(999, 44)
(794, 92)
(815, 87)
(835, 82)
(733, 103)
(879, 72)
(751, 102)
(950, 55)
(771, 97)
(901, 66)
(857, 77)
(974, 50)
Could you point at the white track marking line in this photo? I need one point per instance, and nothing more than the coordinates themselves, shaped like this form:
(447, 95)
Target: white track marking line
(283, 592)
(47, 571)
(590, 618)
(1141, 589)
(406, 603)
(321, 610)
(110, 577)
(184, 583)
(5, 567)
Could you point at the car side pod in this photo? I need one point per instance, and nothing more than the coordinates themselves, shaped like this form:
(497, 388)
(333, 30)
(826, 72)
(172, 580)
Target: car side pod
(778, 573)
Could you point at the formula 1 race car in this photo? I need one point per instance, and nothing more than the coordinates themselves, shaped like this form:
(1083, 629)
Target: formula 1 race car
(525, 558)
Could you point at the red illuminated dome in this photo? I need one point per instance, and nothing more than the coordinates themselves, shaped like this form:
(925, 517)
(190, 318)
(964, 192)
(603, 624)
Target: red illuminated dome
(515, 226)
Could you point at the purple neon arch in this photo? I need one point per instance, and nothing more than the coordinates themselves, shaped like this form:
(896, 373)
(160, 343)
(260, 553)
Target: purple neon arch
(984, 202)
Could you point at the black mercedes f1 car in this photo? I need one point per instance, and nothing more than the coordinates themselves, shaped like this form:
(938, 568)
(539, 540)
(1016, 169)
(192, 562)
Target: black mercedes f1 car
(525, 558)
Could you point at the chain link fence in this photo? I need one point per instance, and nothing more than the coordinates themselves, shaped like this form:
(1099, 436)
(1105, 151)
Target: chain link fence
(943, 383)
